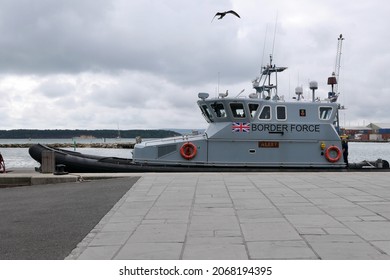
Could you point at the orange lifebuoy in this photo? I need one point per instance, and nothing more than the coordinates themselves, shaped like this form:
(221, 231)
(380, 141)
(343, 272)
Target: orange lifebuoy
(188, 150)
(332, 158)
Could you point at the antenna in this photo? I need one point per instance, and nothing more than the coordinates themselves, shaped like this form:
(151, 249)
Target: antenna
(218, 83)
(119, 132)
(240, 92)
(265, 40)
(273, 43)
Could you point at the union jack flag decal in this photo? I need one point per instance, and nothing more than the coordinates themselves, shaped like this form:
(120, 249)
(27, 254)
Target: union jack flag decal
(241, 127)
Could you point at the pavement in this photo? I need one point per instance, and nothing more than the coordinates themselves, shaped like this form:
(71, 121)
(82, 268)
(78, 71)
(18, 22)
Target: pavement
(190, 216)
(46, 222)
(278, 215)
(28, 177)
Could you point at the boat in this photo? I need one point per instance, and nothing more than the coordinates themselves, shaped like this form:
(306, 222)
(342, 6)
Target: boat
(260, 131)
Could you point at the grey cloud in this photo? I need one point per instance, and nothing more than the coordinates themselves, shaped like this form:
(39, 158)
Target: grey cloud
(167, 38)
(56, 89)
(102, 62)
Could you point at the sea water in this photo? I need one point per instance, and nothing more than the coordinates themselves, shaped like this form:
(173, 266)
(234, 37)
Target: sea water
(20, 158)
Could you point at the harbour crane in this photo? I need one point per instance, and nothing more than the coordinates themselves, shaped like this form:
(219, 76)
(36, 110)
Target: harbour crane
(338, 60)
(334, 79)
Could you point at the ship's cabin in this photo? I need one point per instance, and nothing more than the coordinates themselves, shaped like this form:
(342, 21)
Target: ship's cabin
(217, 110)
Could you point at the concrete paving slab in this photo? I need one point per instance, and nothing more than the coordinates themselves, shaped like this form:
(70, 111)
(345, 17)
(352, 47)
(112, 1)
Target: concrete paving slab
(29, 177)
(274, 215)
(305, 220)
(316, 193)
(215, 252)
(365, 198)
(348, 219)
(300, 209)
(377, 207)
(206, 210)
(331, 202)
(257, 215)
(372, 218)
(383, 246)
(150, 251)
(280, 250)
(347, 191)
(338, 230)
(244, 194)
(354, 210)
(168, 213)
(372, 231)
(110, 238)
(285, 200)
(311, 231)
(253, 203)
(128, 226)
(347, 251)
(269, 231)
(278, 192)
(215, 240)
(99, 252)
(123, 217)
(333, 238)
(211, 223)
(147, 233)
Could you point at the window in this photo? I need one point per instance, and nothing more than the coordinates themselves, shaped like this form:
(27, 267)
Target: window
(253, 109)
(281, 114)
(237, 110)
(265, 113)
(219, 110)
(325, 113)
(207, 114)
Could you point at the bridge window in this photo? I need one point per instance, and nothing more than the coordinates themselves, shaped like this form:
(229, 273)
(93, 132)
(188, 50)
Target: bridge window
(219, 110)
(281, 113)
(253, 109)
(206, 113)
(265, 113)
(325, 113)
(237, 110)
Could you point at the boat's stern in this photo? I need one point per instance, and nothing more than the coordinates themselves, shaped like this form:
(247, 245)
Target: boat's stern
(189, 150)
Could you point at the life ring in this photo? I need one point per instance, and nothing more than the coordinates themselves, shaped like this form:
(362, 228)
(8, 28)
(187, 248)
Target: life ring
(328, 154)
(188, 150)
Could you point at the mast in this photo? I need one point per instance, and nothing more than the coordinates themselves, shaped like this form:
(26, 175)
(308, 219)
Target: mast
(263, 84)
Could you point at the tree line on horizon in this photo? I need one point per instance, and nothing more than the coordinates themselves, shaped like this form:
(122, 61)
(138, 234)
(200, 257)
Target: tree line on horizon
(72, 133)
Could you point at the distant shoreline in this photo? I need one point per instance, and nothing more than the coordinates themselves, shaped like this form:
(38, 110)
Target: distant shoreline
(128, 145)
(84, 133)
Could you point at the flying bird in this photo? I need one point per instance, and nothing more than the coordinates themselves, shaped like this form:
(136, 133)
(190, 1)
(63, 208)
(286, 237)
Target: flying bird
(222, 14)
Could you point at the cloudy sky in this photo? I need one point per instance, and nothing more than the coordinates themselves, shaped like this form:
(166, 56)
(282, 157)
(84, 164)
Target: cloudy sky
(104, 64)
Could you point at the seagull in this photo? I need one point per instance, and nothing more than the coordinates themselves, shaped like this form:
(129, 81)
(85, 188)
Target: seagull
(222, 14)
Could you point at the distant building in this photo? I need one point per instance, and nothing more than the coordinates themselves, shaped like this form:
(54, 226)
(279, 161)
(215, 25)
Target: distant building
(371, 132)
(357, 132)
(381, 129)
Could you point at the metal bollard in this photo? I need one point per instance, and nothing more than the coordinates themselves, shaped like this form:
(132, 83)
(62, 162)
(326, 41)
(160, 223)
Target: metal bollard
(2, 164)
